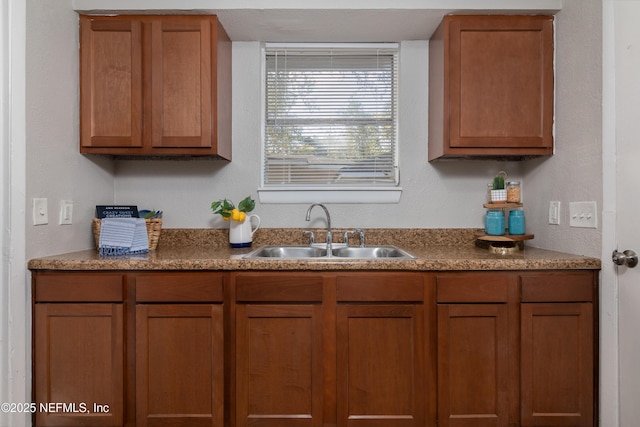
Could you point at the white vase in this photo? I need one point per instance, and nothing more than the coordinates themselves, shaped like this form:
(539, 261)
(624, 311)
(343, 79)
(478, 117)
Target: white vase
(241, 233)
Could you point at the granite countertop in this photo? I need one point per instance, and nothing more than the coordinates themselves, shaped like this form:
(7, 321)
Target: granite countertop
(205, 249)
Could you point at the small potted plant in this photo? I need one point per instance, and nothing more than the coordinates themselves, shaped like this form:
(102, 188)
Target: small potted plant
(499, 193)
(240, 223)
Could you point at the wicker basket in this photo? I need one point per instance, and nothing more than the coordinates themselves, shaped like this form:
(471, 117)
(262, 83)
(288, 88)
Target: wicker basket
(154, 226)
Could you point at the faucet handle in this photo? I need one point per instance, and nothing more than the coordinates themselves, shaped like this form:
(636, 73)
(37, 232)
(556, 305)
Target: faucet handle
(360, 231)
(312, 237)
(346, 236)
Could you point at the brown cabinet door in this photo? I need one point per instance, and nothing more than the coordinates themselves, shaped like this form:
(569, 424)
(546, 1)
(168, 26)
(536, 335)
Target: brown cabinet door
(557, 364)
(181, 86)
(381, 365)
(279, 373)
(179, 365)
(155, 85)
(492, 92)
(78, 363)
(474, 385)
(110, 83)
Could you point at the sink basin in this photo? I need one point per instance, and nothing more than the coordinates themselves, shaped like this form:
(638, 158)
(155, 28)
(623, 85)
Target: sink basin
(371, 252)
(287, 252)
(298, 252)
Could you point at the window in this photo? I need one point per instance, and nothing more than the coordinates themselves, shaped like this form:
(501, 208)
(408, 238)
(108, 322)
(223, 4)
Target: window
(330, 121)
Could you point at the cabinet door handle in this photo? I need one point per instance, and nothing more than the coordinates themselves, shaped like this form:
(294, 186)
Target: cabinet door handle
(628, 258)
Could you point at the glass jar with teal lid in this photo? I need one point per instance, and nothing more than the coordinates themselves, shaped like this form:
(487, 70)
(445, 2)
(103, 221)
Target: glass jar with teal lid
(516, 222)
(494, 222)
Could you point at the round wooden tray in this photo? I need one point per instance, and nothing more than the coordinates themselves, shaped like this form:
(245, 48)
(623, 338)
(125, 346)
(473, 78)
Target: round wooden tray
(506, 238)
(503, 205)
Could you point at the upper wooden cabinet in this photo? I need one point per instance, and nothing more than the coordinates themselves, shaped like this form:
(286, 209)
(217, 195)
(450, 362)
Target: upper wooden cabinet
(155, 85)
(491, 88)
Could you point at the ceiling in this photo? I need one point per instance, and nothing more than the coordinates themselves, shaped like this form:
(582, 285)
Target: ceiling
(323, 20)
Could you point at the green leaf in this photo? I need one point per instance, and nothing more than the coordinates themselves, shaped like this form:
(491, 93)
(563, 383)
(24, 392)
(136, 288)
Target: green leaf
(247, 204)
(224, 207)
(221, 207)
(227, 205)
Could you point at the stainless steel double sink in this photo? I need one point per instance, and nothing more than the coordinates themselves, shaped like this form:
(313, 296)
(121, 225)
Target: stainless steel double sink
(307, 252)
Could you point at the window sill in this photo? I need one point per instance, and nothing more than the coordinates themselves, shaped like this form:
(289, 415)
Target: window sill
(329, 195)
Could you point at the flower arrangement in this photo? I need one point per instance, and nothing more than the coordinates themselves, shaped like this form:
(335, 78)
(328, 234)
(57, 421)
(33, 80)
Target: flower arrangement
(229, 211)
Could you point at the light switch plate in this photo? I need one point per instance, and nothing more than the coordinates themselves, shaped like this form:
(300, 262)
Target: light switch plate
(66, 212)
(554, 212)
(583, 214)
(40, 211)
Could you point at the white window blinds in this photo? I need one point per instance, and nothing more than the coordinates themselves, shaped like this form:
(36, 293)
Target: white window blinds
(331, 115)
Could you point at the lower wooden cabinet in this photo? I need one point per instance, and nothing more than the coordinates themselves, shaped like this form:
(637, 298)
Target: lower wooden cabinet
(315, 349)
(179, 365)
(279, 374)
(380, 366)
(78, 353)
(179, 349)
(326, 349)
(279, 345)
(134, 349)
(477, 350)
(558, 350)
(78, 359)
(381, 354)
(474, 354)
(516, 349)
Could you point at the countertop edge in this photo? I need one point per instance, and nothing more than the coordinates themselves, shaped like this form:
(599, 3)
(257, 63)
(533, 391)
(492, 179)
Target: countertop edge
(237, 263)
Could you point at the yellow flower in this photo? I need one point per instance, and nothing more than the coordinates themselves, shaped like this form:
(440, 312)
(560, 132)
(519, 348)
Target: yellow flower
(228, 210)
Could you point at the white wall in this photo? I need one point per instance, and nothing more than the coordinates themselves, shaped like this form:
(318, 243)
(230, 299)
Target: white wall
(55, 168)
(442, 194)
(574, 173)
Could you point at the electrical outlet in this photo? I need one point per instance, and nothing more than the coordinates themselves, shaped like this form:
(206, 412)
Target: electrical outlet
(583, 214)
(554, 212)
(40, 211)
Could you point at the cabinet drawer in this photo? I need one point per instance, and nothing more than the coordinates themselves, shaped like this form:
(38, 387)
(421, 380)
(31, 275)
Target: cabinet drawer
(474, 287)
(281, 287)
(78, 287)
(401, 287)
(560, 287)
(179, 287)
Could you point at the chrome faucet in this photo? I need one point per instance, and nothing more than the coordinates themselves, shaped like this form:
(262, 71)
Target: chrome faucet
(326, 211)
